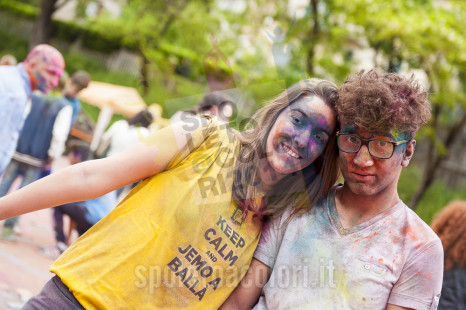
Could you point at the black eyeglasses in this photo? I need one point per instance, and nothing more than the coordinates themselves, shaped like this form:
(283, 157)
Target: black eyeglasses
(382, 149)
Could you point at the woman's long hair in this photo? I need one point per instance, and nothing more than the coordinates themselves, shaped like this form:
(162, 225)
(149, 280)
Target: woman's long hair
(301, 189)
(449, 225)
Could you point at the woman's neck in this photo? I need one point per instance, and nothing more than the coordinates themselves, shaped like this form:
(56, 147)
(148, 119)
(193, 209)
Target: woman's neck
(266, 176)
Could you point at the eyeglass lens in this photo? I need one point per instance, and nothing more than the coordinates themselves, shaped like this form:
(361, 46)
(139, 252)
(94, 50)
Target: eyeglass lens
(377, 148)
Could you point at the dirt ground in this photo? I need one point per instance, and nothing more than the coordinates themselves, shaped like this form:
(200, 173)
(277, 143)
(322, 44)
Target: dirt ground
(23, 270)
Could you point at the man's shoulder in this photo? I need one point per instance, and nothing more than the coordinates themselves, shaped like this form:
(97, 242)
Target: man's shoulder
(49, 100)
(415, 229)
(10, 75)
(9, 69)
(12, 84)
(72, 101)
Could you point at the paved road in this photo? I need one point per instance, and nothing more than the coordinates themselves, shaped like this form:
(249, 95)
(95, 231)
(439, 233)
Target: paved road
(23, 270)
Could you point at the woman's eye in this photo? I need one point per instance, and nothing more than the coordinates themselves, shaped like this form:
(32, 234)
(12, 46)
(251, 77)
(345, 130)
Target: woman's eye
(296, 120)
(320, 139)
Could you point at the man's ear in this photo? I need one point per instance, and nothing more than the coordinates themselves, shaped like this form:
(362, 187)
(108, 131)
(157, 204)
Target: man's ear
(409, 152)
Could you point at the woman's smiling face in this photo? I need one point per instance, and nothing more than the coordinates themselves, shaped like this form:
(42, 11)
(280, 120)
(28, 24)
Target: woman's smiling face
(299, 135)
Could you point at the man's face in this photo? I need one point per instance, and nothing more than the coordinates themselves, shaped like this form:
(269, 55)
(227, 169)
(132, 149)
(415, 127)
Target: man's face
(45, 65)
(46, 75)
(367, 175)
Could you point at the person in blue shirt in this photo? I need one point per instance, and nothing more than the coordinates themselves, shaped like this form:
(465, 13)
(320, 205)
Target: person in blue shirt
(83, 214)
(77, 82)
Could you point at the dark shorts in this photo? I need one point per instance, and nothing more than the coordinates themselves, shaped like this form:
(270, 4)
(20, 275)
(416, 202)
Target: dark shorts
(54, 296)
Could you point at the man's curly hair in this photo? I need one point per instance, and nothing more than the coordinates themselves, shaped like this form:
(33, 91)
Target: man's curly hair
(377, 100)
(449, 225)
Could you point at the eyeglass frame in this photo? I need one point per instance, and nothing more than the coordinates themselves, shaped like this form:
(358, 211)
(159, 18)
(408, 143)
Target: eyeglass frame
(366, 143)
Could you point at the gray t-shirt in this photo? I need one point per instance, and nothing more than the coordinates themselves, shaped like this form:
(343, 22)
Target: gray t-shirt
(317, 264)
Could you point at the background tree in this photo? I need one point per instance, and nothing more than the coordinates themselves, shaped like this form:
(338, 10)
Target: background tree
(318, 39)
(423, 35)
(180, 25)
(42, 29)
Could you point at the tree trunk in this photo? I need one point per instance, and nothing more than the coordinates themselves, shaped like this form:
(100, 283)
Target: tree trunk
(426, 182)
(432, 149)
(432, 155)
(172, 16)
(43, 26)
(144, 74)
(314, 36)
(435, 114)
(429, 174)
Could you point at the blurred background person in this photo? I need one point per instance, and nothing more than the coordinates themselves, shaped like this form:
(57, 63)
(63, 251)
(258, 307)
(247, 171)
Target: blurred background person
(216, 103)
(77, 82)
(84, 214)
(42, 139)
(71, 87)
(40, 71)
(449, 224)
(8, 60)
(123, 134)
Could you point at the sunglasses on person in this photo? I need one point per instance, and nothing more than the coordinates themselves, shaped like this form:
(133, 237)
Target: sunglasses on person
(382, 149)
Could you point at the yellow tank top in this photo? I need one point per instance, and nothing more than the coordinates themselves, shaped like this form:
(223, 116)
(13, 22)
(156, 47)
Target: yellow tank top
(176, 241)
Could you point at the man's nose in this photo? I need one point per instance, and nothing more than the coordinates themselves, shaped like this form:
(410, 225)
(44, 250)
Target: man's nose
(363, 158)
(54, 81)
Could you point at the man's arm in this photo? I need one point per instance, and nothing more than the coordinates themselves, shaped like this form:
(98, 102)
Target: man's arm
(420, 281)
(60, 131)
(247, 293)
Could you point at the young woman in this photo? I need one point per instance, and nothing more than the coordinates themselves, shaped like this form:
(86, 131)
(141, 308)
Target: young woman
(185, 236)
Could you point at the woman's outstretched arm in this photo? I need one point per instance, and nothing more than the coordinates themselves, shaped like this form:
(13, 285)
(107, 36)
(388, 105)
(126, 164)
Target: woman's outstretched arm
(95, 178)
(247, 293)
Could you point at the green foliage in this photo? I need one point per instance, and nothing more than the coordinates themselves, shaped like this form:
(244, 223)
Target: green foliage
(99, 42)
(102, 41)
(76, 60)
(19, 8)
(192, 28)
(16, 46)
(420, 34)
(66, 31)
(438, 195)
(32, 2)
(165, 32)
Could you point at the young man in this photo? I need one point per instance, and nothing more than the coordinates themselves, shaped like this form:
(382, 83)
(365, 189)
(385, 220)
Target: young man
(360, 247)
(77, 82)
(40, 71)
